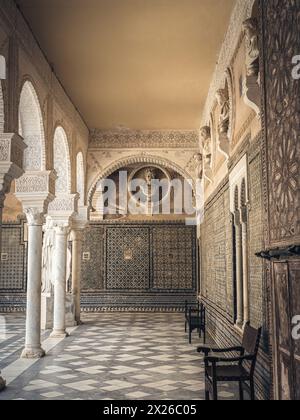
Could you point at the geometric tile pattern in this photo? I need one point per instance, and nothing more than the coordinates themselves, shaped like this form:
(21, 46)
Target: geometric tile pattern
(117, 356)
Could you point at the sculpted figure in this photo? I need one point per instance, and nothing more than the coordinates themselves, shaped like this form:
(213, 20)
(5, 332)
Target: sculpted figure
(223, 102)
(250, 28)
(47, 259)
(198, 165)
(149, 176)
(206, 145)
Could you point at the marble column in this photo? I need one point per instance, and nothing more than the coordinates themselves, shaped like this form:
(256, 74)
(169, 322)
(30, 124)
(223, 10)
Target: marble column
(33, 347)
(239, 270)
(245, 266)
(59, 275)
(34, 190)
(77, 238)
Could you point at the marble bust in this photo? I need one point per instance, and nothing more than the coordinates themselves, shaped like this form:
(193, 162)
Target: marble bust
(250, 29)
(223, 102)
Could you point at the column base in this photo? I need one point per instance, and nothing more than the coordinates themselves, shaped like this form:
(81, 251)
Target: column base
(29, 353)
(79, 322)
(59, 334)
(2, 384)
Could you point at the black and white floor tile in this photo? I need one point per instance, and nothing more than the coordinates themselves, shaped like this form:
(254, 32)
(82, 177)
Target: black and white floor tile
(110, 357)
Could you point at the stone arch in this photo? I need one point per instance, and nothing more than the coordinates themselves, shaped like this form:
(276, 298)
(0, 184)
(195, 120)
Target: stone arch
(80, 178)
(61, 161)
(31, 128)
(147, 159)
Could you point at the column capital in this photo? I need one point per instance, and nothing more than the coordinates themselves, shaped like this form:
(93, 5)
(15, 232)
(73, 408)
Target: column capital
(61, 228)
(35, 217)
(76, 234)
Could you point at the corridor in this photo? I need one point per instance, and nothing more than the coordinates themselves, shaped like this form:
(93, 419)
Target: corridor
(118, 356)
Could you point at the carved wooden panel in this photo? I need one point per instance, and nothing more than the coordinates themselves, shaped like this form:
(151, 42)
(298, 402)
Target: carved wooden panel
(283, 329)
(295, 310)
(281, 40)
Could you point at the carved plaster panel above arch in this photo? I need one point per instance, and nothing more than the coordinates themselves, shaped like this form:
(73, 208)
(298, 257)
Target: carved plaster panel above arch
(143, 158)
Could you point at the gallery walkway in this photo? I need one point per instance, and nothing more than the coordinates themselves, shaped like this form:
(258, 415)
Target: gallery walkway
(111, 357)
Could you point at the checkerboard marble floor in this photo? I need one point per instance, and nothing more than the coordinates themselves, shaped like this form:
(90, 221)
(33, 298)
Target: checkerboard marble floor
(117, 356)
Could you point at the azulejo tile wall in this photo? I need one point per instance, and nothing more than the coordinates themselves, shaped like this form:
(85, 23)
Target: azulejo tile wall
(148, 266)
(125, 267)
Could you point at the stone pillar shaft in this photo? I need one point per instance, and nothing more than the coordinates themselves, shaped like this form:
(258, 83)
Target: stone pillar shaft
(59, 274)
(76, 272)
(33, 347)
(245, 273)
(239, 275)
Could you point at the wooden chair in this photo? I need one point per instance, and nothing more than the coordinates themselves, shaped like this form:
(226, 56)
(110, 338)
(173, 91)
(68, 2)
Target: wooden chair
(195, 319)
(232, 369)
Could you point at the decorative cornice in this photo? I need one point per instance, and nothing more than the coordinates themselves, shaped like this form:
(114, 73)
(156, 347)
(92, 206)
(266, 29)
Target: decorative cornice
(155, 139)
(241, 12)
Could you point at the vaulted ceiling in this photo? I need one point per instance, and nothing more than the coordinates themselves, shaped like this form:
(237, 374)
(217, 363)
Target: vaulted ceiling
(141, 64)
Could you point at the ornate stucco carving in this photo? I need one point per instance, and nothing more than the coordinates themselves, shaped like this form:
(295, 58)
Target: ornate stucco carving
(35, 182)
(64, 203)
(124, 139)
(142, 158)
(62, 164)
(241, 12)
